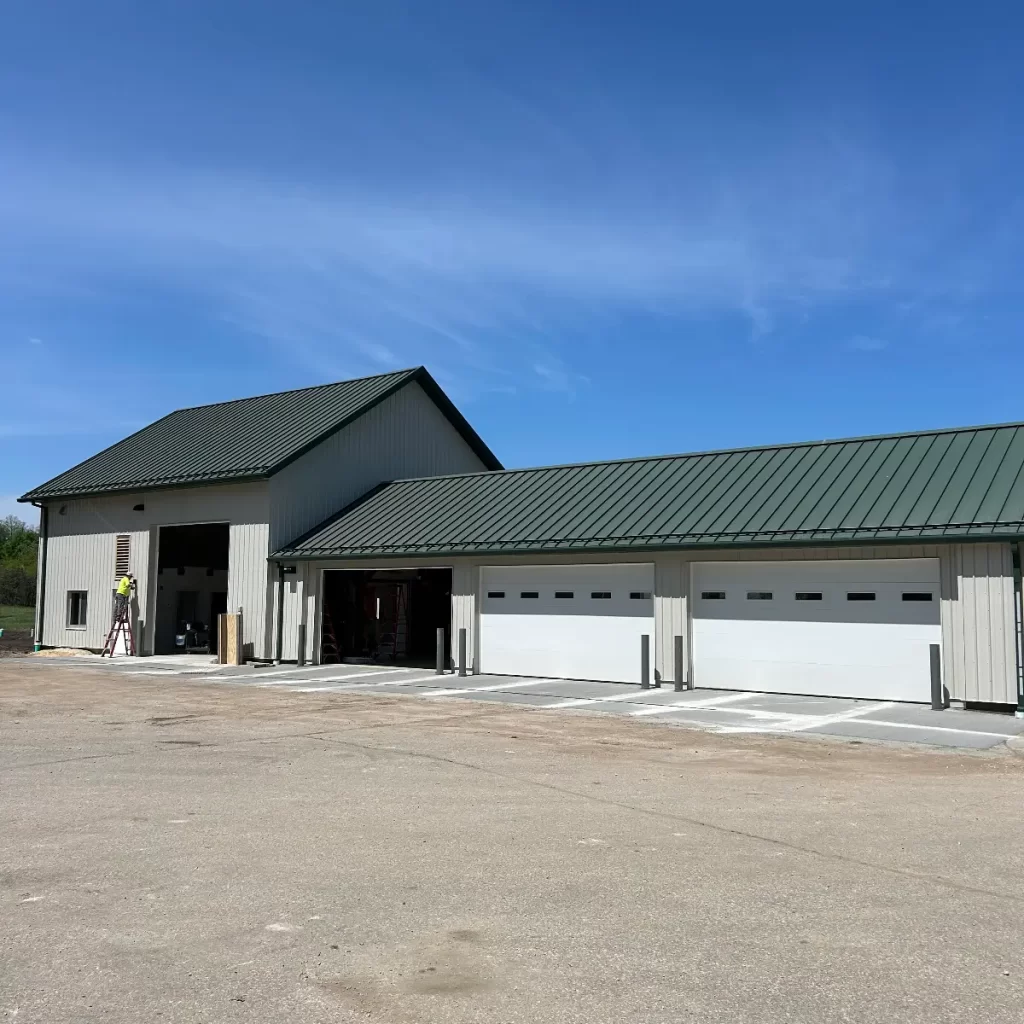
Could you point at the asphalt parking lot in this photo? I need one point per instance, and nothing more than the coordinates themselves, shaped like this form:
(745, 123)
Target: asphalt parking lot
(714, 710)
(190, 850)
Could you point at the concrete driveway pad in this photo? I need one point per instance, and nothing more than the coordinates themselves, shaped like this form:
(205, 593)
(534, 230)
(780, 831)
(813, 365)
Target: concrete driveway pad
(715, 710)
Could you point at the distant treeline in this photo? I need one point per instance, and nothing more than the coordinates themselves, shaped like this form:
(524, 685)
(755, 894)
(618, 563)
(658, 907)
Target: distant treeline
(18, 546)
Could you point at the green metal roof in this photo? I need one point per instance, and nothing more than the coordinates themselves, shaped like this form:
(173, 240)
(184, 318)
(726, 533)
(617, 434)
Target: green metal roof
(940, 485)
(243, 439)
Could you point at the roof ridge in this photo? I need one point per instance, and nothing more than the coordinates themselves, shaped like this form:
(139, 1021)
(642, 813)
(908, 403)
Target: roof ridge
(719, 451)
(157, 455)
(293, 391)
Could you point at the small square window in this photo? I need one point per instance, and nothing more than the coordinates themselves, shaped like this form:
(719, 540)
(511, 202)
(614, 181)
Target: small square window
(565, 595)
(860, 595)
(712, 595)
(529, 593)
(78, 602)
(759, 595)
(915, 595)
(808, 595)
(601, 595)
(495, 593)
(639, 595)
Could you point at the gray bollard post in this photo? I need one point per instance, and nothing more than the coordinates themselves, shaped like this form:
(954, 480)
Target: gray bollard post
(462, 652)
(645, 662)
(678, 659)
(938, 698)
(439, 656)
(300, 646)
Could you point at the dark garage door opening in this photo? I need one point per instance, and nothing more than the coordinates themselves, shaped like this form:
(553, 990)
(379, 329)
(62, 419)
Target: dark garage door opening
(192, 587)
(385, 615)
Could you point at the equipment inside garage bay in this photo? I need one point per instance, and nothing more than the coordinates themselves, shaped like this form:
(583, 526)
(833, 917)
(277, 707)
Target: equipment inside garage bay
(389, 615)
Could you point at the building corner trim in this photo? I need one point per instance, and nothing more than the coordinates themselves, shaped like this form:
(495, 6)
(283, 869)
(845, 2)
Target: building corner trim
(44, 522)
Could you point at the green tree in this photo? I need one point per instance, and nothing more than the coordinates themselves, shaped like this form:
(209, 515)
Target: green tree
(19, 544)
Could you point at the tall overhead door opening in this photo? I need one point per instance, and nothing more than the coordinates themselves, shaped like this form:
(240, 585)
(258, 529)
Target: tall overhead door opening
(192, 586)
(843, 628)
(566, 621)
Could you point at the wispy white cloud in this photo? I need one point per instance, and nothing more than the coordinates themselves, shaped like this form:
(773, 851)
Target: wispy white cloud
(554, 376)
(329, 275)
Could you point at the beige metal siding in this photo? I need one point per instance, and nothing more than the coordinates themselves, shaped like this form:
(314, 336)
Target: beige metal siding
(82, 550)
(671, 592)
(249, 586)
(976, 607)
(405, 436)
(76, 563)
(41, 552)
(465, 583)
(311, 608)
(85, 561)
(981, 643)
(294, 609)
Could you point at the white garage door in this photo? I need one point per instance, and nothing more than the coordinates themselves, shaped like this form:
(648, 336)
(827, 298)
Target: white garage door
(566, 621)
(837, 628)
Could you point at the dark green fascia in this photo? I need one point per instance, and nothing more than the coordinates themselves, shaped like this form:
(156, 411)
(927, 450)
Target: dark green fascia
(138, 488)
(286, 554)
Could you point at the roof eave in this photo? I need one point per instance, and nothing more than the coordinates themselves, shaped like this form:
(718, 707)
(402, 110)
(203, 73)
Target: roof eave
(138, 488)
(933, 535)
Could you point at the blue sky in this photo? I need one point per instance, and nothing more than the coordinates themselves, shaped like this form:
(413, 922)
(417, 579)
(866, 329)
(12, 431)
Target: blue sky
(607, 229)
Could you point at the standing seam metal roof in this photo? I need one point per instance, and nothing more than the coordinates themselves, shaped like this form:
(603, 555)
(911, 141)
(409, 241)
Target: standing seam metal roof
(933, 485)
(242, 439)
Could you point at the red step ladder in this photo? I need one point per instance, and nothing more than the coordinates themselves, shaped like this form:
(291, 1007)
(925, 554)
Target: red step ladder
(122, 627)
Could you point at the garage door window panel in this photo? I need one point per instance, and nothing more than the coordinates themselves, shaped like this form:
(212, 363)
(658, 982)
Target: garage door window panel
(840, 628)
(565, 632)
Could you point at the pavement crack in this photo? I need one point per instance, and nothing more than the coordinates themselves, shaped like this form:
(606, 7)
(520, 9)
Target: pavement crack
(65, 760)
(649, 812)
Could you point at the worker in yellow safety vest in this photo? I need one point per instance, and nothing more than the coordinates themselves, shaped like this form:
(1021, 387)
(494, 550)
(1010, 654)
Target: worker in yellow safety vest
(121, 598)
